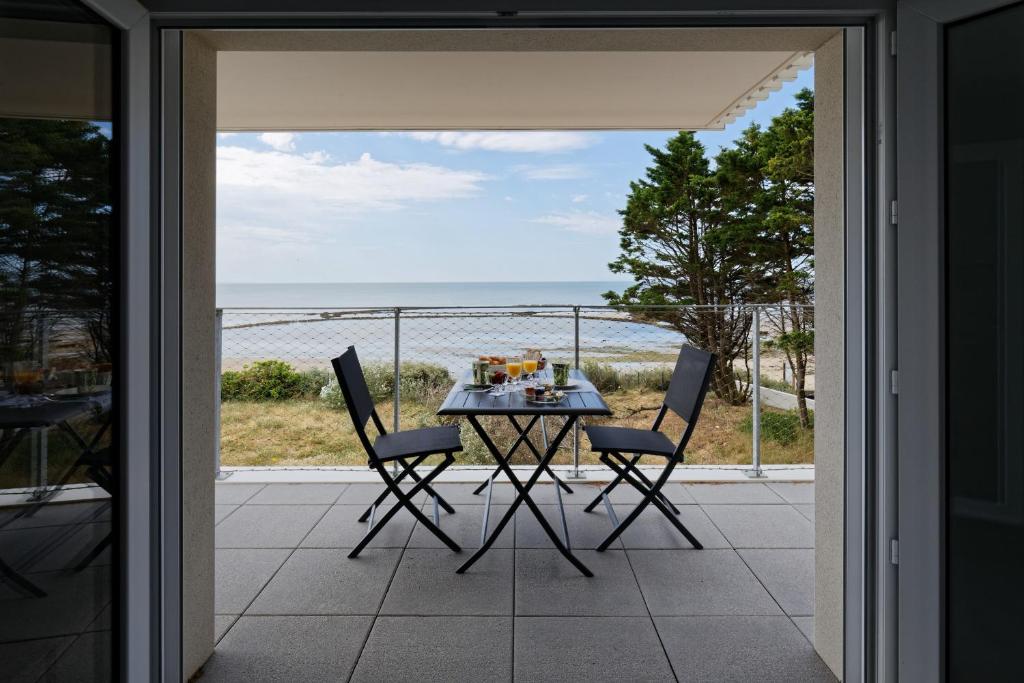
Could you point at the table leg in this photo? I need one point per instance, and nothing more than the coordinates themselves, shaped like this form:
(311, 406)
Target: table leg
(523, 496)
(511, 451)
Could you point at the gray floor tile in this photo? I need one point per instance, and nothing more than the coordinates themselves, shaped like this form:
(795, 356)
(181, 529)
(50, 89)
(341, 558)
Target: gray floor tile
(545, 494)
(426, 584)
(740, 649)
(298, 494)
(586, 529)
(699, 582)
(288, 649)
(241, 574)
(72, 602)
(365, 494)
(26, 661)
(325, 581)
(794, 492)
(548, 585)
(587, 649)
(53, 548)
(235, 494)
(341, 528)
(806, 510)
(752, 493)
(463, 527)
(220, 512)
(806, 626)
(651, 530)
(462, 494)
(221, 624)
(437, 649)
(624, 493)
(87, 660)
(56, 514)
(268, 526)
(762, 526)
(787, 574)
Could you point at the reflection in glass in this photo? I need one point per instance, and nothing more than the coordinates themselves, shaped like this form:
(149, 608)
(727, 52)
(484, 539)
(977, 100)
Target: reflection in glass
(985, 328)
(58, 356)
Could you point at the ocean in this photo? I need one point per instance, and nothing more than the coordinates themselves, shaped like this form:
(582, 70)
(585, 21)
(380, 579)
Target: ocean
(452, 337)
(360, 294)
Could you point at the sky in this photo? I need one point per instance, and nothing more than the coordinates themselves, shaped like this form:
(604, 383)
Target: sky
(459, 206)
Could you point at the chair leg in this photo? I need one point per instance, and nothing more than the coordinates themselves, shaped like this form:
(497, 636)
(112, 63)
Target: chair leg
(630, 467)
(611, 486)
(405, 501)
(410, 470)
(651, 496)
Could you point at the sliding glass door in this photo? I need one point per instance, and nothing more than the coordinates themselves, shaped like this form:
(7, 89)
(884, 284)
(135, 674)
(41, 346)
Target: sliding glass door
(58, 343)
(984, 97)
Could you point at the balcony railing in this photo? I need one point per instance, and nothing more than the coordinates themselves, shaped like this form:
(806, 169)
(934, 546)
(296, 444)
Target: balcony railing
(408, 349)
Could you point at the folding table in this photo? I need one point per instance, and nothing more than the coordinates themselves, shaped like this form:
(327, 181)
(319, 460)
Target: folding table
(583, 401)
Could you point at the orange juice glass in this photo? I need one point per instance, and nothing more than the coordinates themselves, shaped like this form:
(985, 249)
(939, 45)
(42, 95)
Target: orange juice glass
(514, 367)
(529, 365)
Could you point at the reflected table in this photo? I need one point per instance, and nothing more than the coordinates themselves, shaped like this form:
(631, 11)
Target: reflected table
(582, 401)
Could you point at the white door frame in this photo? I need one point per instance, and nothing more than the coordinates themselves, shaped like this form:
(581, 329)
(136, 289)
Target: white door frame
(152, 545)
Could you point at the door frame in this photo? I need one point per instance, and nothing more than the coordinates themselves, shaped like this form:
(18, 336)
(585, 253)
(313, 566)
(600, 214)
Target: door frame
(152, 548)
(921, 329)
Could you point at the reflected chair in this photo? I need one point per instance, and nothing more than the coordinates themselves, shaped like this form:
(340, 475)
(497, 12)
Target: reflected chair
(684, 397)
(409, 449)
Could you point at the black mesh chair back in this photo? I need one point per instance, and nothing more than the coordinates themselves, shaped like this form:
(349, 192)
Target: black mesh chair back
(357, 395)
(685, 396)
(406, 449)
(689, 383)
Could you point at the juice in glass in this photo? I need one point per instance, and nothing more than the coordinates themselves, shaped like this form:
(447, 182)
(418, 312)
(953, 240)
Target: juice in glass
(514, 367)
(529, 365)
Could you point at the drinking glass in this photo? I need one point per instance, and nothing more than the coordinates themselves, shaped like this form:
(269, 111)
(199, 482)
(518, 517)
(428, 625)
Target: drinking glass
(514, 367)
(561, 373)
(530, 366)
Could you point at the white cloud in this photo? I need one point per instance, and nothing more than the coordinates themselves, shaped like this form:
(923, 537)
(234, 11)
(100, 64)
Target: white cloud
(555, 172)
(225, 136)
(587, 222)
(579, 198)
(509, 140)
(279, 199)
(282, 142)
(508, 198)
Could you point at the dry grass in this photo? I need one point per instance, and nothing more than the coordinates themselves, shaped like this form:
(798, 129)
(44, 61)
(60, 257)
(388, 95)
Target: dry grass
(306, 433)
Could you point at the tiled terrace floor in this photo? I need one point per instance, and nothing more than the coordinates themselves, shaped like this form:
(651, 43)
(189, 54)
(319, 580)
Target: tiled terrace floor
(292, 607)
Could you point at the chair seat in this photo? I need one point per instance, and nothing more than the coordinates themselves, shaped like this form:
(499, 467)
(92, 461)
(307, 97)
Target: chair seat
(625, 440)
(416, 442)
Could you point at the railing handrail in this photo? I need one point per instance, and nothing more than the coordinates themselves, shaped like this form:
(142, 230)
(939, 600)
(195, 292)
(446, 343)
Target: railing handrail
(570, 307)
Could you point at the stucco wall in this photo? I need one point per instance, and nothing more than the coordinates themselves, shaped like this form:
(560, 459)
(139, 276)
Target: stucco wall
(828, 349)
(199, 168)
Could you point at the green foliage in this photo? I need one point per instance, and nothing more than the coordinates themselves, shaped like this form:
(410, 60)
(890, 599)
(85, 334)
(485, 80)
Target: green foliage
(782, 428)
(265, 380)
(419, 381)
(607, 378)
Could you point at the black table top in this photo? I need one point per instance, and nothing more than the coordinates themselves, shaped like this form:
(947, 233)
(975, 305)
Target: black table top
(41, 411)
(586, 400)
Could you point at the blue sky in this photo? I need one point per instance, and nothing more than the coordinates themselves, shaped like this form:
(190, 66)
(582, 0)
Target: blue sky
(434, 207)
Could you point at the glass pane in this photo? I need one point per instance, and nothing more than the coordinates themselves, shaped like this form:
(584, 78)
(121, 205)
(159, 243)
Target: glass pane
(58, 356)
(985, 324)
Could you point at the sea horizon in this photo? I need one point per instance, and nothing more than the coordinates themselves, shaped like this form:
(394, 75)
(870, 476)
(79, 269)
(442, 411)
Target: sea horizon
(456, 293)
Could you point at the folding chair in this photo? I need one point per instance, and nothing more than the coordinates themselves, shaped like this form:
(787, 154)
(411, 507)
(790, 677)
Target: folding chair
(416, 445)
(685, 397)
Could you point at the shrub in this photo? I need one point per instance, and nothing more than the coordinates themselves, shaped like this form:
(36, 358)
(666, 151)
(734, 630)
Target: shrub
(419, 382)
(265, 380)
(607, 378)
(782, 428)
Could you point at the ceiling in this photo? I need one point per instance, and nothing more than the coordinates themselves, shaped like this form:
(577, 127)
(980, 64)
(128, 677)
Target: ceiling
(693, 79)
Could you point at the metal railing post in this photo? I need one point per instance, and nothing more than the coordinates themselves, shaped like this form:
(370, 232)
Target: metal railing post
(40, 438)
(756, 471)
(576, 426)
(218, 364)
(397, 380)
